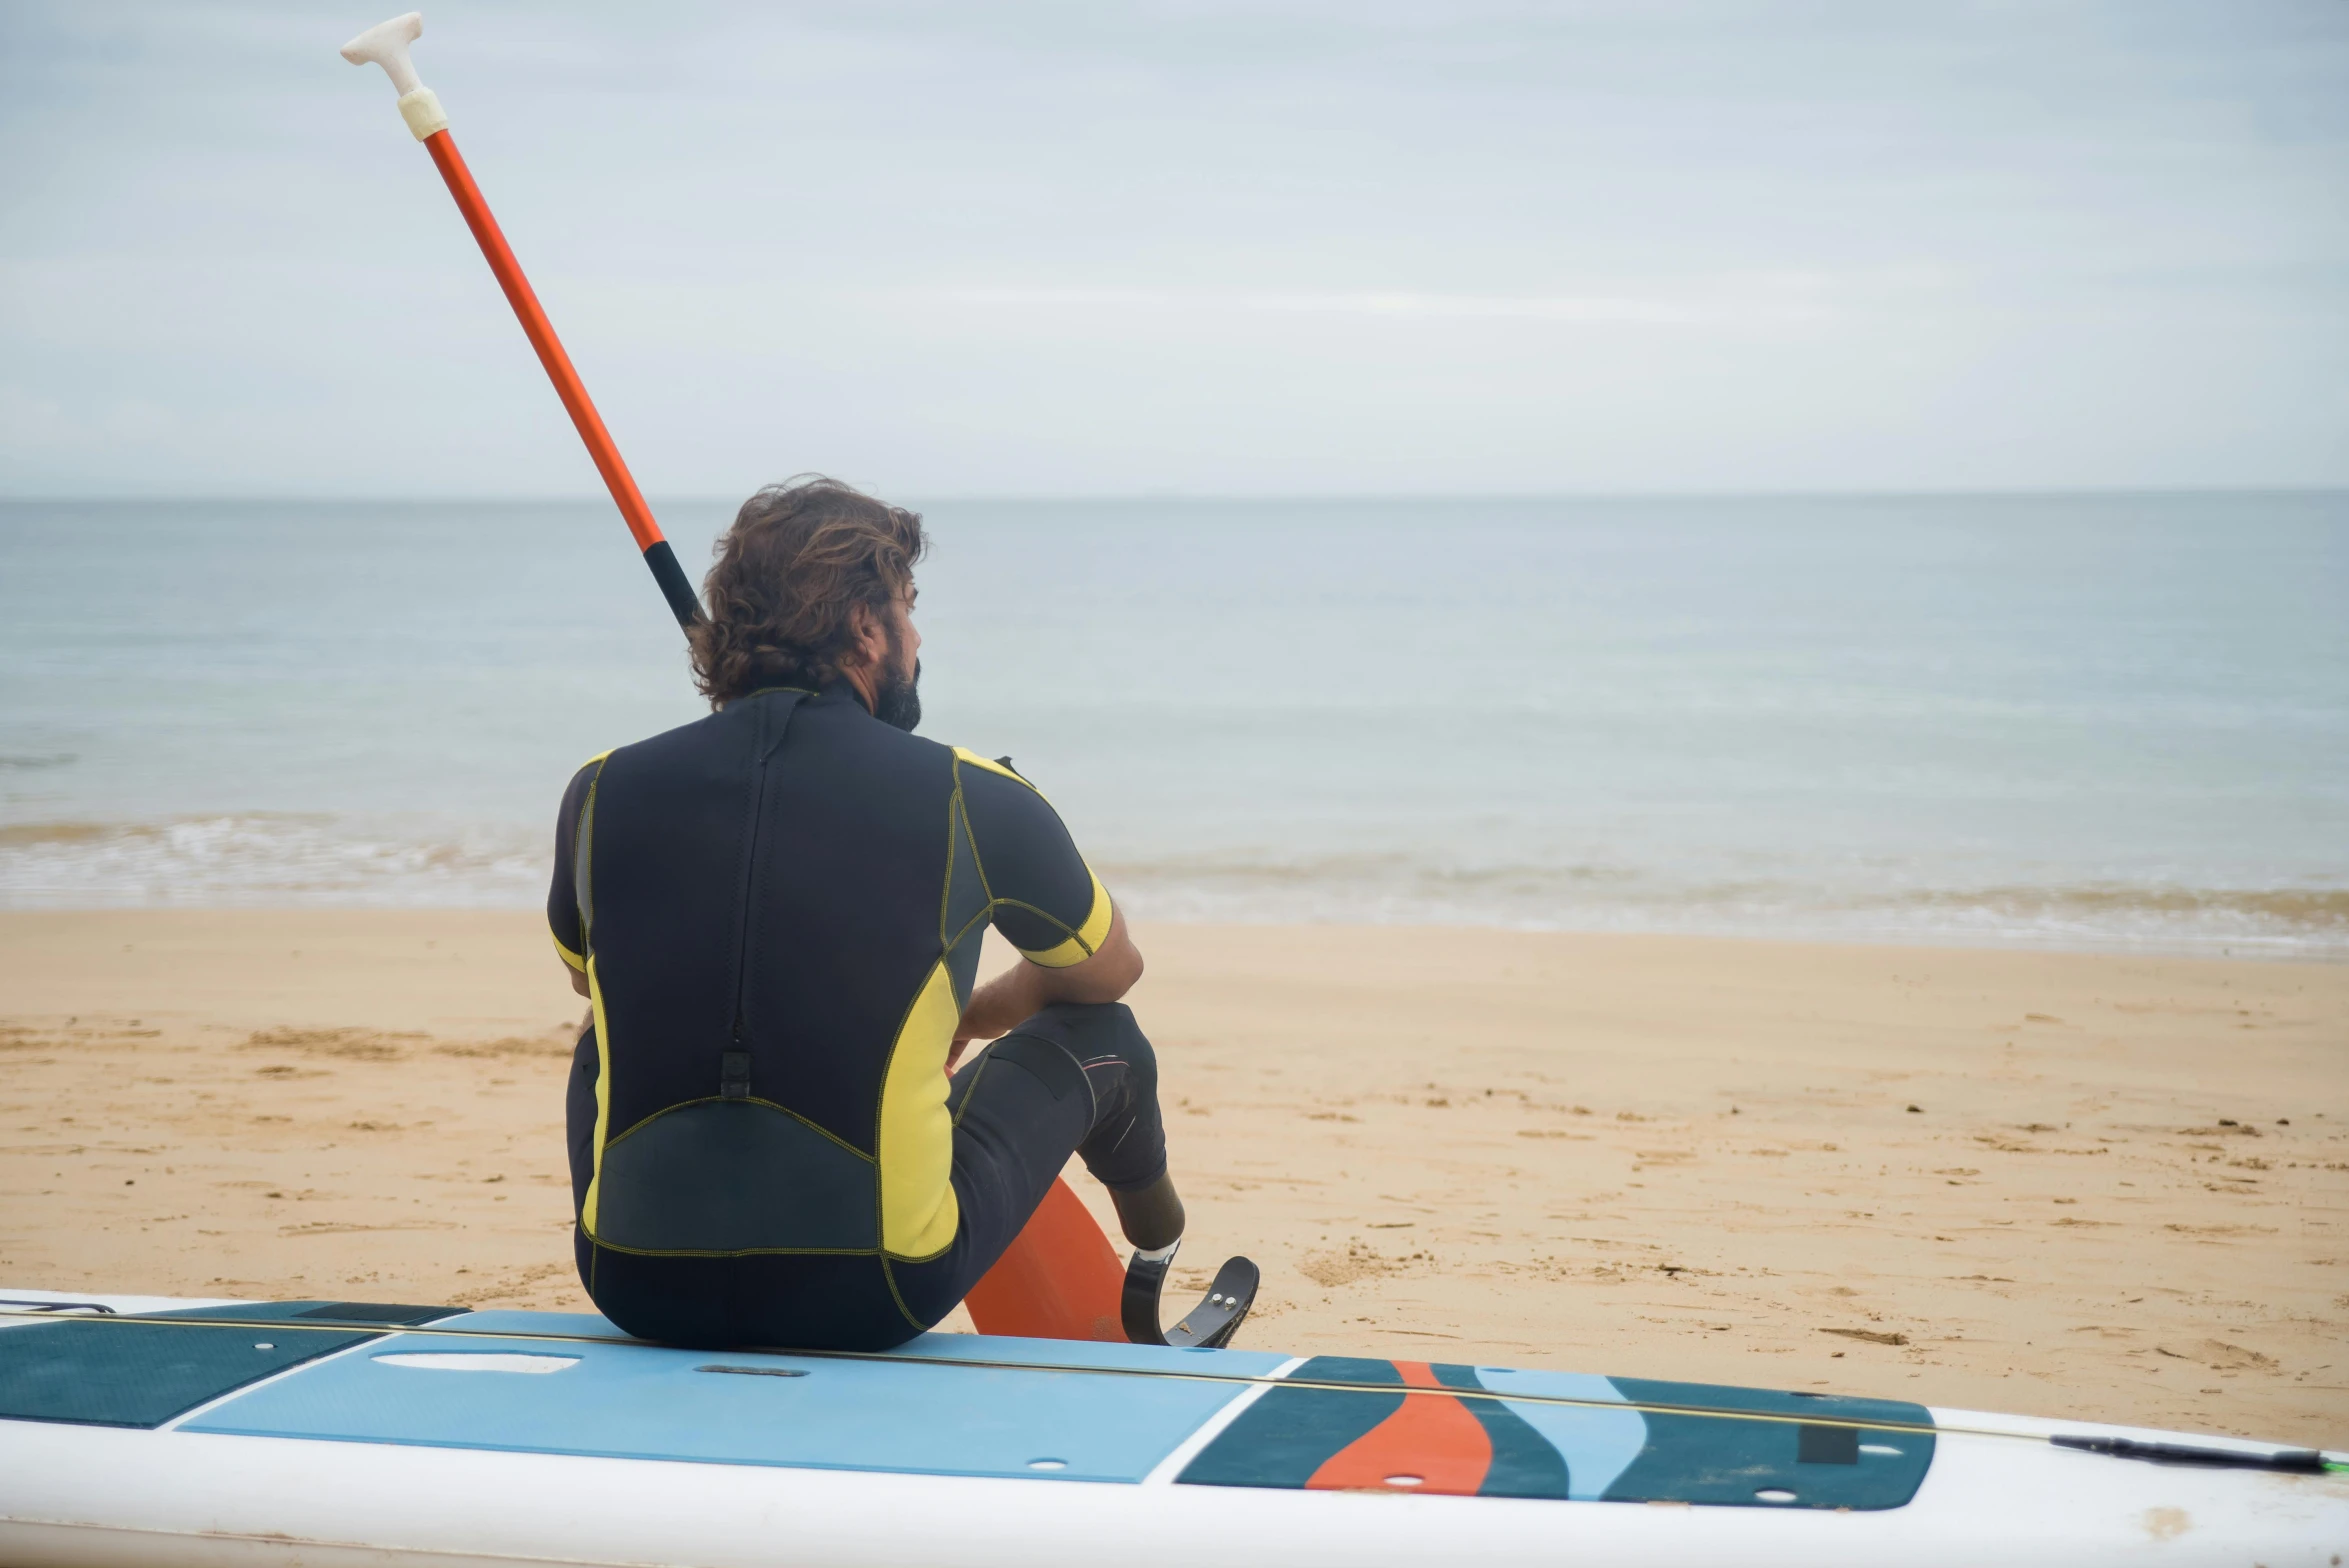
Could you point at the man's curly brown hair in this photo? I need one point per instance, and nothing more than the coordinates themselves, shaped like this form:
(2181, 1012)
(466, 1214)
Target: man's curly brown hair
(799, 558)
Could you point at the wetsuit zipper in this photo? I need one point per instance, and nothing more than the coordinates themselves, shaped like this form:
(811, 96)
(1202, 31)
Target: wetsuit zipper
(750, 872)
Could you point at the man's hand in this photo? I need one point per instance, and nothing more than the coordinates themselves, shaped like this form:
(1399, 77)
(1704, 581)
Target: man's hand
(1026, 989)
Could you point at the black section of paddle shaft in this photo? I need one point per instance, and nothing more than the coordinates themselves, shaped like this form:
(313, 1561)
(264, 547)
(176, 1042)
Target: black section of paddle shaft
(676, 587)
(1207, 1326)
(2303, 1459)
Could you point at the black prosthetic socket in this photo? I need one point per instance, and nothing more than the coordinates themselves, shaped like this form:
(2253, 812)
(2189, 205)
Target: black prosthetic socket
(1152, 1216)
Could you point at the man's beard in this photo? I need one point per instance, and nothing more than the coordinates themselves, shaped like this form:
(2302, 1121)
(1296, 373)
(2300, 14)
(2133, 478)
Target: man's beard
(898, 700)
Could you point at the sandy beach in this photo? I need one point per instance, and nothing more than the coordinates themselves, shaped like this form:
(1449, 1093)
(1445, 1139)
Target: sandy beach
(2111, 1187)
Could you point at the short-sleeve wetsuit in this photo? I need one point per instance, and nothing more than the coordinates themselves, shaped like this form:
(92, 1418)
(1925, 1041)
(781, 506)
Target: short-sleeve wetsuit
(779, 910)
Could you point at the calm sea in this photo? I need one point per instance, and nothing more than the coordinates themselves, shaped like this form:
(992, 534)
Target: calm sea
(2105, 722)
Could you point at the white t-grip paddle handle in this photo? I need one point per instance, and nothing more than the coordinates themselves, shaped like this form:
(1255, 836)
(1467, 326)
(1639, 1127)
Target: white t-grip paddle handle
(386, 44)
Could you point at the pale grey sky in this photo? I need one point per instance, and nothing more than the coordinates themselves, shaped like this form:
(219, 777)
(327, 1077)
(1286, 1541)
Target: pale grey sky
(1038, 248)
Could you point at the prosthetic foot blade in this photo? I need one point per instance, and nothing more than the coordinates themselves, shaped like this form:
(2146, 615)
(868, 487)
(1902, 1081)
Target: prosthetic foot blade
(1207, 1326)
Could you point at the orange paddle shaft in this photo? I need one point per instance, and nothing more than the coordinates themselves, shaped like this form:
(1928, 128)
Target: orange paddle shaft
(608, 462)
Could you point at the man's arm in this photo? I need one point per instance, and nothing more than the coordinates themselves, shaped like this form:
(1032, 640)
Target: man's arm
(1044, 900)
(562, 899)
(1028, 988)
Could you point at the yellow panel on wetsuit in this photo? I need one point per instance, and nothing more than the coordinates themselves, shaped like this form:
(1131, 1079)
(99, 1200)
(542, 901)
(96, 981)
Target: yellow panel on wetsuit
(782, 906)
(918, 1210)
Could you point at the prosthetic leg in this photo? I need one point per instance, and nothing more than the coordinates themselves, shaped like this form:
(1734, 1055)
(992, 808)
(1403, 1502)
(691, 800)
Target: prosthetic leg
(1061, 1280)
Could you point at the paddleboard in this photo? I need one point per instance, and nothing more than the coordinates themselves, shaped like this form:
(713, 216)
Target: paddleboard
(143, 1430)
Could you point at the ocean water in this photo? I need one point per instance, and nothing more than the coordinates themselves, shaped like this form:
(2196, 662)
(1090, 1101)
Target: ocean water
(2092, 722)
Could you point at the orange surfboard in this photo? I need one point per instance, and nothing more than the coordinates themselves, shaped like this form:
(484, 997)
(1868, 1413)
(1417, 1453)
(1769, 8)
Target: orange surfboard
(1060, 1279)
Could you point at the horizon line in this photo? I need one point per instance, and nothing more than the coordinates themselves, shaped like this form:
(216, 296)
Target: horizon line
(1072, 497)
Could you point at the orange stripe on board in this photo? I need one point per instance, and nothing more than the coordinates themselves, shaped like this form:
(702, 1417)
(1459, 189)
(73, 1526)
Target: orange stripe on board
(1429, 1445)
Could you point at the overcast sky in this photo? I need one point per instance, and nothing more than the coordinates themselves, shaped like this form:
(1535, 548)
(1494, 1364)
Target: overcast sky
(1085, 247)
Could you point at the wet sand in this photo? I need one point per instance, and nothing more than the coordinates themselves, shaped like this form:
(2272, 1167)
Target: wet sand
(2064, 1184)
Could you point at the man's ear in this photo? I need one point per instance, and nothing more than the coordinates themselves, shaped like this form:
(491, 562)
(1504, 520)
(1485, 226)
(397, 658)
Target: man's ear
(869, 636)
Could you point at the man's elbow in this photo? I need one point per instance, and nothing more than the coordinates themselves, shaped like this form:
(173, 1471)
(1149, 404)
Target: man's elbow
(1122, 956)
(1105, 977)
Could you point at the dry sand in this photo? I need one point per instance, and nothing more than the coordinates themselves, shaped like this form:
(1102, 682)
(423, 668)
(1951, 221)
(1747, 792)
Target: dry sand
(2063, 1184)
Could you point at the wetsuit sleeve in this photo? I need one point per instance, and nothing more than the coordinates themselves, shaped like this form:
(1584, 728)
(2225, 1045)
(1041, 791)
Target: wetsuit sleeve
(562, 895)
(1044, 899)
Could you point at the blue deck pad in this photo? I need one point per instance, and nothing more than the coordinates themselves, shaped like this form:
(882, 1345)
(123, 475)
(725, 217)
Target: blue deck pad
(1604, 1450)
(1713, 1459)
(635, 1401)
(95, 1373)
(1598, 1445)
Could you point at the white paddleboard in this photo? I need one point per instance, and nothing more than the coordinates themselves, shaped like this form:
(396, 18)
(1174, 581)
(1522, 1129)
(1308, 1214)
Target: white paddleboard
(143, 1430)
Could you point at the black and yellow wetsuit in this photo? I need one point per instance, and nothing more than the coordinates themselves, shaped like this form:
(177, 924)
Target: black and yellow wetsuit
(779, 911)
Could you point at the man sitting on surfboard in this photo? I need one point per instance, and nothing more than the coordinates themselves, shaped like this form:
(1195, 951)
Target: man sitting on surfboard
(776, 913)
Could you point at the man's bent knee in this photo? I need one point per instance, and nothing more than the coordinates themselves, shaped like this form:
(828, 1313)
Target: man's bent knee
(1126, 1146)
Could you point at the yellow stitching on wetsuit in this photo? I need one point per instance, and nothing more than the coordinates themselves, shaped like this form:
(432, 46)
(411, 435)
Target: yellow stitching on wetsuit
(1040, 912)
(964, 754)
(978, 1065)
(603, 1095)
(714, 1099)
(569, 957)
(890, 1278)
(978, 921)
(1084, 941)
(745, 1252)
(978, 860)
(946, 883)
(962, 809)
(958, 818)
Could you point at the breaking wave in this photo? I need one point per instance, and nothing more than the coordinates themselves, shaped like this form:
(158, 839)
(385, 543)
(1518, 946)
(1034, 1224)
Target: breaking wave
(266, 859)
(2295, 922)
